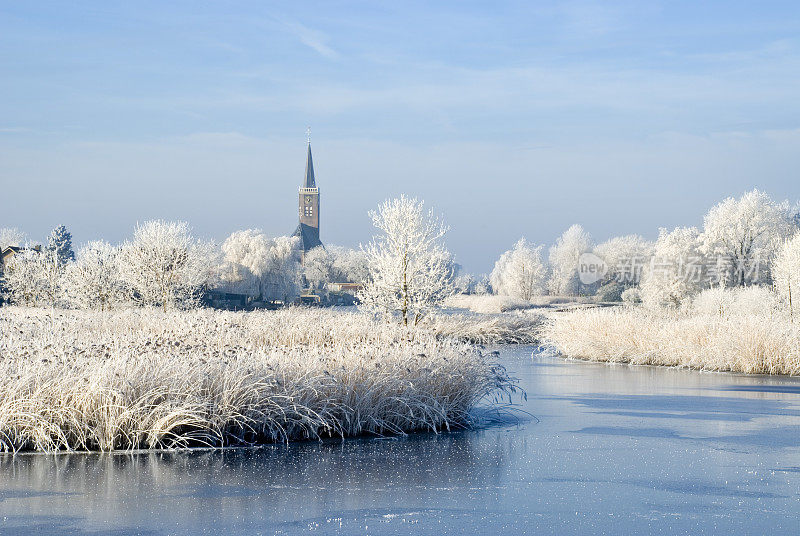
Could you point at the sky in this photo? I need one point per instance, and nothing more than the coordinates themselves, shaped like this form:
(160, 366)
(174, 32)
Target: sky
(509, 119)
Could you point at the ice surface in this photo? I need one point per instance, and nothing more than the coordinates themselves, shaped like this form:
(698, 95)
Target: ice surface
(607, 449)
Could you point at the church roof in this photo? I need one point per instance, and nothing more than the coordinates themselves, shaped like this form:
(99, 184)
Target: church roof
(309, 236)
(309, 182)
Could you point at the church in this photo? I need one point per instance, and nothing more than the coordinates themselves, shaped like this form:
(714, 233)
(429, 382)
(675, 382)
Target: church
(308, 206)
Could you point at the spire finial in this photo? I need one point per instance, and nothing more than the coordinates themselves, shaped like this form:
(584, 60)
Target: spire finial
(308, 135)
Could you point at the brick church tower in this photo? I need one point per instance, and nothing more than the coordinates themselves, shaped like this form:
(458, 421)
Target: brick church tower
(308, 229)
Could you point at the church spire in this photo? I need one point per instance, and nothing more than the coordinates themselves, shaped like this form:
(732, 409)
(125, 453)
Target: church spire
(308, 229)
(309, 182)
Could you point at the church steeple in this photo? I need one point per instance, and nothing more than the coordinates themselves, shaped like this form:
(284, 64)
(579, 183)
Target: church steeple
(308, 229)
(310, 182)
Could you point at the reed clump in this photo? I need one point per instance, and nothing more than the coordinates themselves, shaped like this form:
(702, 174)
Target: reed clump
(745, 342)
(142, 378)
(519, 327)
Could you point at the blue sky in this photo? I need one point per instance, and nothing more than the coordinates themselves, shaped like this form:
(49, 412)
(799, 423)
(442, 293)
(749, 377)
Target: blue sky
(509, 118)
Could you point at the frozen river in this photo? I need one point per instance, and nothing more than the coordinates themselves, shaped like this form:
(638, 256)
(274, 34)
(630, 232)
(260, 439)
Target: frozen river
(608, 450)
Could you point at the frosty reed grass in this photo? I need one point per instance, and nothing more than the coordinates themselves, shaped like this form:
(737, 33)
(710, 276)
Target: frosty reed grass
(79, 380)
(486, 303)
(746, 343)
(521, 327)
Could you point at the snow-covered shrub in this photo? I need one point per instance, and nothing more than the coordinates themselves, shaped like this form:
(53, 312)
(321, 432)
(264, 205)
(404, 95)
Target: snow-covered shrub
(165, 266)
(610, 292)
(713, 301)
(631, 296)
(464, 284)
(753, 301)
(520, 272)
(93, 280)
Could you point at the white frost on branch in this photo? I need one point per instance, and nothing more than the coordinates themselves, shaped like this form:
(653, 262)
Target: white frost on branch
(410, 270)
(625, 257)
(564, 256)
(165, 266)
(11, 236)
(746, 232)
(260, 266)
(674, 274)
(786, 273)
(33, 278)
(520, 272)
(93, 281)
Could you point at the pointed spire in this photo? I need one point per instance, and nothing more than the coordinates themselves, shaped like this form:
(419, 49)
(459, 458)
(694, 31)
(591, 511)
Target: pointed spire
(309, 182)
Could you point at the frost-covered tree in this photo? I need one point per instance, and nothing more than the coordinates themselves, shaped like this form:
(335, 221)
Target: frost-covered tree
(410, 270)
(319, 267)
(564, 257)
(334, 264)
(744, 235)
(483, 286)
(8, 237)
(626, 257)
(464, 284)
(520, 272)
(675, 273)
(246, 258)
(786, 273)
(282, 278)
(165, 266)
(11, 236)
(350, 264)
(263, 267)
(60, 242)
(93, 281)
(33, 278)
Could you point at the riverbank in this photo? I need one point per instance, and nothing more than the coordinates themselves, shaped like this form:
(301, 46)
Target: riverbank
(132, 379)
(745, 343)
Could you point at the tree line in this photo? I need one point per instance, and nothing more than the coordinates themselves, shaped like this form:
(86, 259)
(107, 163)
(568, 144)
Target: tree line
(406, 270)
(747, 241)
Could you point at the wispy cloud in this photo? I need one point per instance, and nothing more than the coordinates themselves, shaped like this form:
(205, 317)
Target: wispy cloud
(312, 38)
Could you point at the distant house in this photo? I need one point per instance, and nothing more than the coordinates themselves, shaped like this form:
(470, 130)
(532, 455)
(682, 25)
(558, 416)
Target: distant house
(10, 251)
(351, 288)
